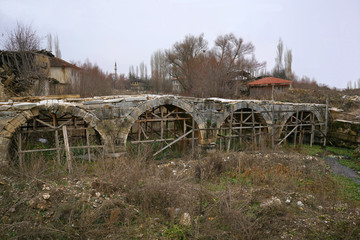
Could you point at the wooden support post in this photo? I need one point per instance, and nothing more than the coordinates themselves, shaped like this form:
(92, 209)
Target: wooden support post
(312, 129)
(240, 131)
(301, 125)
(193, 134)
(57, 143)
(162, 123)
(88, 144)
(21, 155)
(326, 119)
(230, 131)
(260, 137)
(272, 126)
(67, 149)
(296, 123)
(220, 139)
(253, 126)
(139, 138)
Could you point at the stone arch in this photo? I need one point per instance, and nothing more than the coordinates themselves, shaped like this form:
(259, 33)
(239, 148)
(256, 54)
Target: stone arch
(251, 105)
(132, 117)
(21, 117)
(250, 126)
(301, 108)
(304, 115)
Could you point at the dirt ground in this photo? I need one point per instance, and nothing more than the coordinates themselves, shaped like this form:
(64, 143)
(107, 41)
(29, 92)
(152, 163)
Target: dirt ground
(239, 195)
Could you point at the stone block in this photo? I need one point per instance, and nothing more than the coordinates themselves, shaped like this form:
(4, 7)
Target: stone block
(10, 128)
(35, 111)
(6, 134)
(93, 102)
(28, 114)
(18, 120)
(5, 107)
(137, 98)
(24, 106)
(7, 114)
(115, 100)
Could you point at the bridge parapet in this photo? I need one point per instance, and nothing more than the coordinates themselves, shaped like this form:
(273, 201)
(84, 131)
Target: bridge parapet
(114, 117)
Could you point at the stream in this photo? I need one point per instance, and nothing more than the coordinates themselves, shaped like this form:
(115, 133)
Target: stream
(339, 169)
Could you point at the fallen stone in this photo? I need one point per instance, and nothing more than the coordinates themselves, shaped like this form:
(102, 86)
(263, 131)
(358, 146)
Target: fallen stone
(274, 201)
(46, 196)
(185, 219)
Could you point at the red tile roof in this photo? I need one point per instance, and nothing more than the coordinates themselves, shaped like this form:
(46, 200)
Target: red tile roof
(57, 62)
(270, 81)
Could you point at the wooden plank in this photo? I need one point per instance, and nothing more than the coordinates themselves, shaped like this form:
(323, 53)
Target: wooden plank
(253, 124)
(296, 123)
(57, 144)
(67, 149)
(230, 131)
(44, 123)
(312, 129)
(21, 156)
(193, 134)
(162, 119)
(326, 119)
(38, 150)
(287, 135)
(88, 144)
(272, 126)
(173, 142)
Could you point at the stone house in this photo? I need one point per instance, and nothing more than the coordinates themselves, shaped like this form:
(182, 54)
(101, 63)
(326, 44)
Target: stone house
(67, 74)
(25, 74)
(176, 87)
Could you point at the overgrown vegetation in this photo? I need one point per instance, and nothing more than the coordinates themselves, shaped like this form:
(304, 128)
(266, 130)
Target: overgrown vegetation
(244, 195)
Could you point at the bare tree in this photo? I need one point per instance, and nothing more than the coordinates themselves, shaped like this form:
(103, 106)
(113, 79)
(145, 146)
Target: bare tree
(94, 81)
(49, 42)
(279, 56)
(57, 47)
(185, 58)
(288, 63)
(215, 72)
(159, 71)
(22, 38)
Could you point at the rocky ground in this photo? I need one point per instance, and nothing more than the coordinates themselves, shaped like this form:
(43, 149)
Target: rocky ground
(246, 195)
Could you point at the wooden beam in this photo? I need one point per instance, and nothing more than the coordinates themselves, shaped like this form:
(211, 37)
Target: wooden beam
(173, 142)
(67, 149)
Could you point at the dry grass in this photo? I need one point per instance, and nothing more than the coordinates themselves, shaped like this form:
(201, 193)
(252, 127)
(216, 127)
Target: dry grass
(246, 195)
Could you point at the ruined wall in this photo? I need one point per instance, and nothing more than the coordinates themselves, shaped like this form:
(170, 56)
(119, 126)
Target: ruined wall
(344, 133)
(113, 116)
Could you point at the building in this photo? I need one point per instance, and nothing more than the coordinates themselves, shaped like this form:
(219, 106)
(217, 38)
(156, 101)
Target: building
(67, 74)
(25, 73)
(266, 87)
(176, 87)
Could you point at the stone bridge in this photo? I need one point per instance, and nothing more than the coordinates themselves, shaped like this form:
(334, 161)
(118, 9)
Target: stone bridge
(118, 120)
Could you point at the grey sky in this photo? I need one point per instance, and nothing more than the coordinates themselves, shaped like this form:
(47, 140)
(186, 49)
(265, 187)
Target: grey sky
(324, 35)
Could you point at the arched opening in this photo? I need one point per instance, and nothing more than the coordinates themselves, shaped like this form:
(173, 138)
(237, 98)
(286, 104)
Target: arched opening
(243, 128)
(50, 136)
(164, 131)
(301, 128)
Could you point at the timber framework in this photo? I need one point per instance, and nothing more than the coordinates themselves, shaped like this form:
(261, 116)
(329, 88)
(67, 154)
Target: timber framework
(72, 127)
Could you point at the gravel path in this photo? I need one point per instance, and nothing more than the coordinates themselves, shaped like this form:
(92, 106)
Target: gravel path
(339, 169)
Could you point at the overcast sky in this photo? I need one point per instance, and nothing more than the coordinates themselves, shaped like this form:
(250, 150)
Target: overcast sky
(324, 35)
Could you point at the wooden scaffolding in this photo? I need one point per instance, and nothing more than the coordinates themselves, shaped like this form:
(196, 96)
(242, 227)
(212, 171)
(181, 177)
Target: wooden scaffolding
(61, 137)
